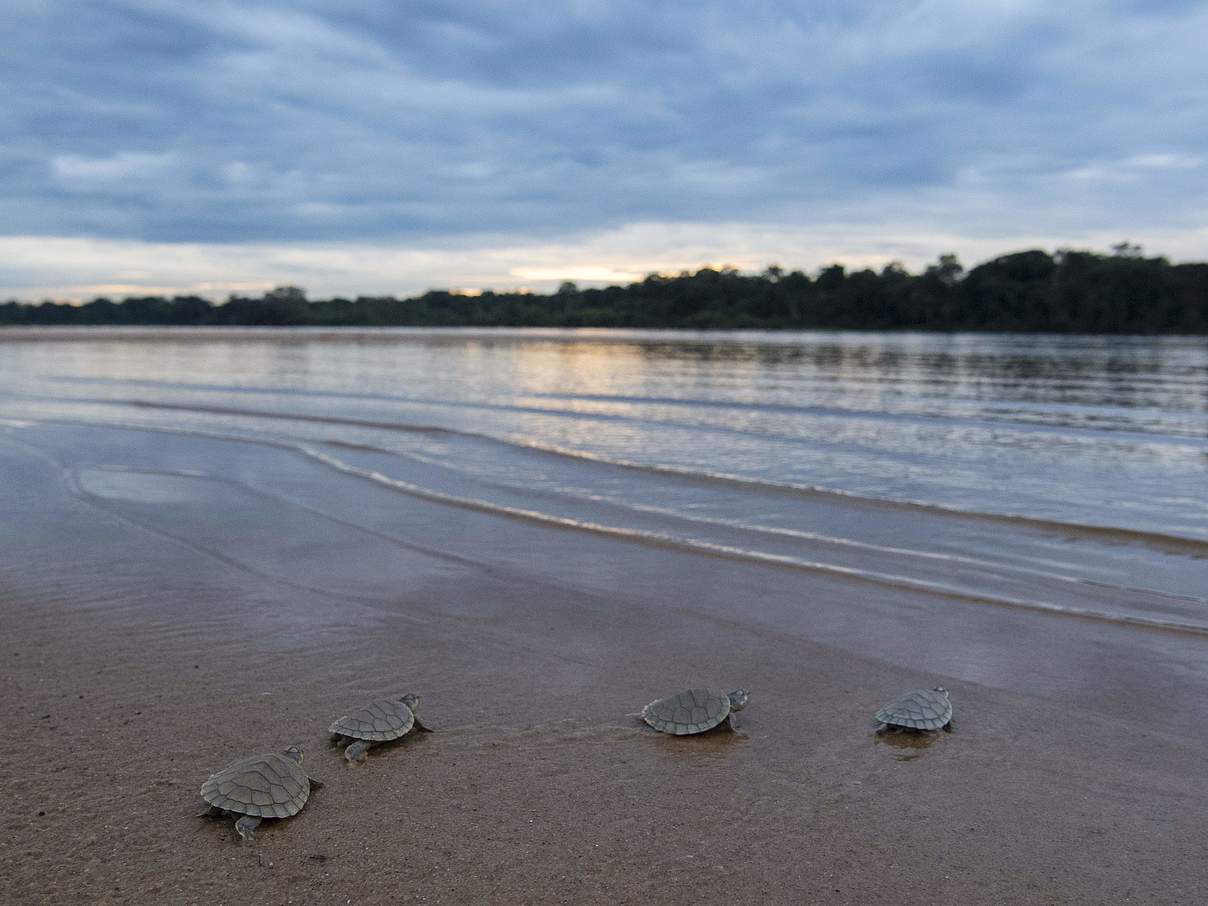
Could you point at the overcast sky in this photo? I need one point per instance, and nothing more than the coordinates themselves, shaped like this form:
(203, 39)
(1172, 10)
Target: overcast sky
(388, 147)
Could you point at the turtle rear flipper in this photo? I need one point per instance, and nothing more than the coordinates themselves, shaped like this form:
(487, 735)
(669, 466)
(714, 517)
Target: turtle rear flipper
(246, 827)
(358, 751)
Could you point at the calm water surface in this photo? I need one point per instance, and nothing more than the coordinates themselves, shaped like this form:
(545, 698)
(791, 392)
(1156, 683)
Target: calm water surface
(1097, 430)
(833, 451)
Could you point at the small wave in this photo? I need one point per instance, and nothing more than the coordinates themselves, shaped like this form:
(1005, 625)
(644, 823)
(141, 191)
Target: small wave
(897, 582)
(1018, 416)
(1165, 541)
(1013, 419)
(747, 434)
(771, 531)
(1177, 543)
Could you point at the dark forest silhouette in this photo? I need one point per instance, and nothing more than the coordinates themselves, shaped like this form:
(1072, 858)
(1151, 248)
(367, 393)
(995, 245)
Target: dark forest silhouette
(1070, 291)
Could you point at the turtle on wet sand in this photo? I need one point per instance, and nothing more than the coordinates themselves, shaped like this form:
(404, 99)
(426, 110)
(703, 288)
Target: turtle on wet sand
(918, 709)
(377, 722)
(695, 711)
(272, 785)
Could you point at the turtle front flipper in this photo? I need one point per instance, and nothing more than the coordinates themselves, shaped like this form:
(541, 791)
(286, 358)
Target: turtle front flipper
(420, 725)
(732, 722)
(246, 826)
(357, 752)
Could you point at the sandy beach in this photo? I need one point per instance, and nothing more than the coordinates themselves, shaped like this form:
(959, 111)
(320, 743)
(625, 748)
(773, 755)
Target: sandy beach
(172, 602)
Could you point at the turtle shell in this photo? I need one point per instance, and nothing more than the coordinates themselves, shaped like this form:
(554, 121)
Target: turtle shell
(919, 709)
(268, 786)
(692, 711)
(378, 722)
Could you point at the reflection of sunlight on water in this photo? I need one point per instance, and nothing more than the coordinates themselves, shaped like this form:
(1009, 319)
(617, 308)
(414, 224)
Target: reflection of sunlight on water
(556, 367)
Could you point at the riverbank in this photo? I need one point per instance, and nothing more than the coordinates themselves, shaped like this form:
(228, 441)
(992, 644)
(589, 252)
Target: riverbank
(170, 604)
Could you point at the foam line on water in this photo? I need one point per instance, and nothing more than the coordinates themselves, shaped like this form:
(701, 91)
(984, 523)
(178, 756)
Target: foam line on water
(1181, 543)
(736, 553)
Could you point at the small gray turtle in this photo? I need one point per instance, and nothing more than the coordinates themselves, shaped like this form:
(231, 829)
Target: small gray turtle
(695, 711)
(272, 785)
(918, 709)
(377, 722)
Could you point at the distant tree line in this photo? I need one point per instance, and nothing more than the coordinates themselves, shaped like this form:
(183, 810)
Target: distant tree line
(1070, 291)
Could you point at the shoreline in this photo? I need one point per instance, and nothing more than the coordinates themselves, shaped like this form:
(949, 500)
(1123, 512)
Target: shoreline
(568, 334)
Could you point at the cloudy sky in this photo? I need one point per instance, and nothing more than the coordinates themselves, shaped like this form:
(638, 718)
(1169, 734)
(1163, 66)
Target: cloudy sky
(392, 146)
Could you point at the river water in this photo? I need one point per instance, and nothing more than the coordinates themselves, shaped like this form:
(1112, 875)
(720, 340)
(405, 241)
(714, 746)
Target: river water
(1051, 473)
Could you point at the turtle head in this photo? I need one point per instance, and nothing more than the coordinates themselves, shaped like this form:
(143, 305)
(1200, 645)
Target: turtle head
(738, 699)
(411, 700)
(941, 690)
(293, 752)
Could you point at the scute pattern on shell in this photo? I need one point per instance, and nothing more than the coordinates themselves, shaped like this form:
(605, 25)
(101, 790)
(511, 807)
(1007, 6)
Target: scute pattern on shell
(692, 711)
(267, 786)
(919, 709)
(378, 722)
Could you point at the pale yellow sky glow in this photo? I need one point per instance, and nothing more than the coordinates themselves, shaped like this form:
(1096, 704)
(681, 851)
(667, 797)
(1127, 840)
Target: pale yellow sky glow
(86, 268)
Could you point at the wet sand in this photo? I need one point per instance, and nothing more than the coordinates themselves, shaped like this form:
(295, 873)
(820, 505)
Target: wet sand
(169, 604)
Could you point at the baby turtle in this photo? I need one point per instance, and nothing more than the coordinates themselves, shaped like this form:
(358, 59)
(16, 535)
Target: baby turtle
(919, 709)
(380, 721)
(261, 786)
(695, 711)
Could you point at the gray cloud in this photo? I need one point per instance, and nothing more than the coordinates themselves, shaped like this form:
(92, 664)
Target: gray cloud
(428, 123)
